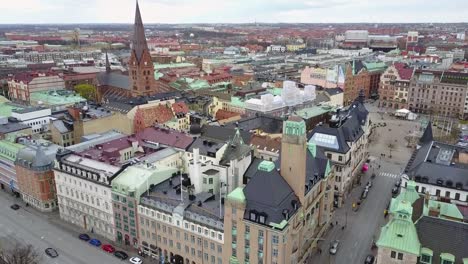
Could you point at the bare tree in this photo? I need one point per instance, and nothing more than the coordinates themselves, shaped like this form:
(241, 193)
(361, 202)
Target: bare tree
(391, 147)
(21, 254)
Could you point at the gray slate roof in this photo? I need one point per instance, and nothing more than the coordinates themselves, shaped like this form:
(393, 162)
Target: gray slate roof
(60, 126)
(114, 80)
(423, 166)
(267, 123)
(443, 236)
(269, 193)
(224, 134)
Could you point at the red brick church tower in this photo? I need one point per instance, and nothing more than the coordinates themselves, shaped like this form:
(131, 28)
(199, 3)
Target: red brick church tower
(141, 71)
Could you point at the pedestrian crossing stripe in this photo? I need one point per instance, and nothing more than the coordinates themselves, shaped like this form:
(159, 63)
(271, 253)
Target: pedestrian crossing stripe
(388, 174)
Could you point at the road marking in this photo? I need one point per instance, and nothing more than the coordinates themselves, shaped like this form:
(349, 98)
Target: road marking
(388, 174)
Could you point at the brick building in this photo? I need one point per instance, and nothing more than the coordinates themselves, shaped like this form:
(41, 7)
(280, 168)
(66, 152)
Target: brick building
(34, 170)
(23, 84)
(394, 86)
(359, 76)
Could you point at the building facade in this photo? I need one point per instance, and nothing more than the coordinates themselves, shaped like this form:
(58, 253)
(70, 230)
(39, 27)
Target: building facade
(84, 192)
(440, 93)
(394, 86)
(278, 215)
(34, 168)
(23, 84)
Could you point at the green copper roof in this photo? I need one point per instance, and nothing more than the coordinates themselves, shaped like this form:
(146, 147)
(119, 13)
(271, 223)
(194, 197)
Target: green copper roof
(60, 97)
(266, 166)
(328, 169)
(237, 101)
(9, 150)
(465, 261)
(447, 210)
(447, 256)
(426, 251)
(307, 113)
(6, 108)
(312, 148)
(237, 195)
(409, 193)
(281, 225)
(400, 235)
(375, 66)
(294, 127)
(3, 99)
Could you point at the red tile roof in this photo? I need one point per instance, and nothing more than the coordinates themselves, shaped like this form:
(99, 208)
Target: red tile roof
(262, 142)
(404, 71)
(146, 117)
(223, 114)
(180, 107)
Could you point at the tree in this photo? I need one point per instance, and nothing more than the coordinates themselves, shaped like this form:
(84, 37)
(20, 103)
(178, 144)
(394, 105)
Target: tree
(87, 91)
(21, 254)
(391, 146)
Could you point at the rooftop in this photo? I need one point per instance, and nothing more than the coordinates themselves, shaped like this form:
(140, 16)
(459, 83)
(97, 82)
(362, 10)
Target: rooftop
(54, 98)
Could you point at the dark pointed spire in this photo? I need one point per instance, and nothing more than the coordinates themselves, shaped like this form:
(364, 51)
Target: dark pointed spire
(427, 135)
(108, 68)
(139, 39)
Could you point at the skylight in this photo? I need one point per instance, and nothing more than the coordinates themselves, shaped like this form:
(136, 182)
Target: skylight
(324, 140)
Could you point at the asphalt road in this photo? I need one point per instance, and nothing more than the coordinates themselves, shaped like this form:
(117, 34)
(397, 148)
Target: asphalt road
(25, 226)
(363, 225)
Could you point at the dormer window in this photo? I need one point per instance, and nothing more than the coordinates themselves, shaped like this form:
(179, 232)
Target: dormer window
(253, 216)
(261, 219)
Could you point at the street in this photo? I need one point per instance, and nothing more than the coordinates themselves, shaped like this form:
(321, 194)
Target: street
(363, 226)
(26, 226)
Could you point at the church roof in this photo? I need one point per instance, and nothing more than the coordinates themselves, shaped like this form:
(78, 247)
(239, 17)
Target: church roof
(139, 39)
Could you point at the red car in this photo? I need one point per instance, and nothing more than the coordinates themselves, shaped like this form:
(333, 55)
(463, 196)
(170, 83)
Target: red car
(108, 248)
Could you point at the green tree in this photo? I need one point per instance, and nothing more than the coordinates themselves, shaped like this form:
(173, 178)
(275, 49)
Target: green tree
(87, 91)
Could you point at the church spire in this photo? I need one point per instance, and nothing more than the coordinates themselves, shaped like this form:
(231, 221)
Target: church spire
(139, 39)
(108, 68)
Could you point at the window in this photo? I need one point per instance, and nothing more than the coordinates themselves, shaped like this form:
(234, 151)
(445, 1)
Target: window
(340, 158)
(426, 259)
(275, 252)
(275, 239)
(400, 256)
(393, 254)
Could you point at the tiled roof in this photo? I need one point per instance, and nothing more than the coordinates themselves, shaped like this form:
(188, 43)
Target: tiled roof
(266, 143)
(180, 107)
(224, 114)
(149, 116)
(404, 70)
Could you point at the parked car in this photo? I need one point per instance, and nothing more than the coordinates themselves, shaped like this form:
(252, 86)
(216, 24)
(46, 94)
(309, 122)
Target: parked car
(395, 190)
(121, 255)
(108, 248)
(369, 184)
(51, 252)
(136, 260)
(334, 247)
(369, 259)
(84, 237)
(364, 194)
(15, 207)
(95, 242)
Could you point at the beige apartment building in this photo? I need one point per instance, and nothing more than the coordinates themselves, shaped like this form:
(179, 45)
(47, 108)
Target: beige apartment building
(438, 93)
(281, 212)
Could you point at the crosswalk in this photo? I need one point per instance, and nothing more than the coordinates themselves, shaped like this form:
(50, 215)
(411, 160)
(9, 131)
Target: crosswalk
(388, 174)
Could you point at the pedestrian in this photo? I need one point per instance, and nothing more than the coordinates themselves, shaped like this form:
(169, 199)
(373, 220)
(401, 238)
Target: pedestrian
(336, 222)
(319, 250)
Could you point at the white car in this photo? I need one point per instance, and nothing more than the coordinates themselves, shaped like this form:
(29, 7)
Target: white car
(136, 260)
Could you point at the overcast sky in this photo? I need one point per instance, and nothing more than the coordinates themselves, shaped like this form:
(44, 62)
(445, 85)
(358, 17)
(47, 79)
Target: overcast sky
(233, 11)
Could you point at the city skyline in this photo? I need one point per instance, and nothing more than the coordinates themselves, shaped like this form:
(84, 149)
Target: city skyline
(230, 11)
